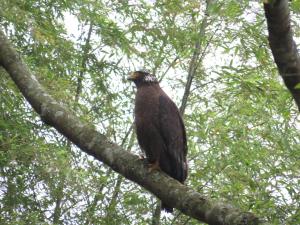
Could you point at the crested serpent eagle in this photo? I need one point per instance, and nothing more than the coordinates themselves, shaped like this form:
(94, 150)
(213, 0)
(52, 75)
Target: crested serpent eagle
(159, 128)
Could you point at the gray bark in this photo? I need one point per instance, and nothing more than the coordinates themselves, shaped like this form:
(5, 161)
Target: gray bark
(283, 46)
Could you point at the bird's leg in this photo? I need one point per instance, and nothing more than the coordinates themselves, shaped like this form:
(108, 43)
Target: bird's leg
(153, 166)
(142, 158)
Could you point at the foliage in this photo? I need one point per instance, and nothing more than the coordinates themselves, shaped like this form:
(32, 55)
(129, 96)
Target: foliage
(242, 125)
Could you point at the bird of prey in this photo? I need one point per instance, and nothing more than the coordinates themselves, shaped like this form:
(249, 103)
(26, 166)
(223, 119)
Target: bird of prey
(160, 129)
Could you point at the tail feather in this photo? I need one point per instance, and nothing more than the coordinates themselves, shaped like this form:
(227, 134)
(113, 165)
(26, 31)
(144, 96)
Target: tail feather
(174, 167)
(166, 208)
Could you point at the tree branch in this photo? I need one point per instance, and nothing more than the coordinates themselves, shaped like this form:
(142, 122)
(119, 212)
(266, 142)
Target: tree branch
(82, 70)
(156, 213)
(85, 136)
(282, 45)
(195, 61)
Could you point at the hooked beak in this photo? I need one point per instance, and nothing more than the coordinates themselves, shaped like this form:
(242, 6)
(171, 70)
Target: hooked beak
(132, 76)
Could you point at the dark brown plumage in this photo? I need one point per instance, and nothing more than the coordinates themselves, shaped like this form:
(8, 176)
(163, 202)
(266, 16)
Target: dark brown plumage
(159, 128)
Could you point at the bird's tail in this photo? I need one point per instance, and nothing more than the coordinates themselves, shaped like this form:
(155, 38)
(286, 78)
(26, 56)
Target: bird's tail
(167, 208)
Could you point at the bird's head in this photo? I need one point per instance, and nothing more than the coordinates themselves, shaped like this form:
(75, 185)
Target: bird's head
(141, 77)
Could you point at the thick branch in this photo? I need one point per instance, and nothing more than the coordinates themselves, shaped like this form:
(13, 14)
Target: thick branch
(85, 136)
(282, 45)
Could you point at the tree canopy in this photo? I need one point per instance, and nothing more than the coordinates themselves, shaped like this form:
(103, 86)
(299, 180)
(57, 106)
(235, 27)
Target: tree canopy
(212, 57)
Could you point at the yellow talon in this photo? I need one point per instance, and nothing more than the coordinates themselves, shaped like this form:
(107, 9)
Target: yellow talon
(153, 166)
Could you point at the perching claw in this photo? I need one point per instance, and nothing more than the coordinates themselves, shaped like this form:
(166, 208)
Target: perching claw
(153, 166)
